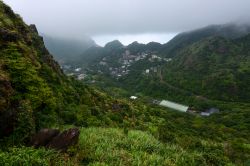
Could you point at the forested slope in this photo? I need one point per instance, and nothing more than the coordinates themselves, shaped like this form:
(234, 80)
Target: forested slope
(35, 94)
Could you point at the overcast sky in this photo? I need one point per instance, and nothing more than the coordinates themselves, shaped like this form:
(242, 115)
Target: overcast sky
(127, 20)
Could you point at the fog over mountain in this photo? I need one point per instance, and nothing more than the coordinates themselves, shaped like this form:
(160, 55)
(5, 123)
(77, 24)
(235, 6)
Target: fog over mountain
(108, 19)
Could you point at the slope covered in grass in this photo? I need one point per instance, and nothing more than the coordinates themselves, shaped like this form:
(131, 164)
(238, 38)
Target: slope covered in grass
(35, 94)
(29, 156)
(111, 146)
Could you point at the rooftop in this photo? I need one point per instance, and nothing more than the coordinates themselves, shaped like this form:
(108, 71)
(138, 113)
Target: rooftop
(174, 106)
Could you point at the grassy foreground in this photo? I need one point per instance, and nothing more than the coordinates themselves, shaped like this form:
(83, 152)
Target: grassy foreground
(111, 146)
(114, 146)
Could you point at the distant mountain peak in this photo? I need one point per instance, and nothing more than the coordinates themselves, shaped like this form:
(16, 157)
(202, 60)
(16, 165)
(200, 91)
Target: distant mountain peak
(228, 31)
(114, 44)
(135, 43)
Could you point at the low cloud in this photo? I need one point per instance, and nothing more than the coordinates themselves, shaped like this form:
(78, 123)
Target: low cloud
(76, 18)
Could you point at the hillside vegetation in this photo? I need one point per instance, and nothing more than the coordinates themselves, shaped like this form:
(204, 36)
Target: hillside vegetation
(34, 91)
(35, 94)
(213, 66)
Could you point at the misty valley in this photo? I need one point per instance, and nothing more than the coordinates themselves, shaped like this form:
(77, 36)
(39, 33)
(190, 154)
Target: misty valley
(71, 101)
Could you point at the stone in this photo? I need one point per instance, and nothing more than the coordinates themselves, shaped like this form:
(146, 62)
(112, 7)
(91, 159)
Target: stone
(43, 137)
(33, 28)
(64, 140)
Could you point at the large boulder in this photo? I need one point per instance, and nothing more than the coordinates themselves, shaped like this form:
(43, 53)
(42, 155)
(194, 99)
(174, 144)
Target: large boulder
(64, 140)
(53, 139)
(43, 137)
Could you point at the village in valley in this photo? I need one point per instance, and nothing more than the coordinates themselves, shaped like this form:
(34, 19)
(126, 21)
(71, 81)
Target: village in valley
(127, 60)
(121, 66)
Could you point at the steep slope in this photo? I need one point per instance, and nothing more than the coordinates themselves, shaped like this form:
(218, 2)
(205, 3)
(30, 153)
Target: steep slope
(136, 47)
(25, 62)
(229, 31)
(36, 94)
(34, 91)
(113, 45)
(153, 46)
(215, 67)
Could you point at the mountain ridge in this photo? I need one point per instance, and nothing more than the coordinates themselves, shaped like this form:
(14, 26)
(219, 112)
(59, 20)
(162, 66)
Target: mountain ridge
(114, 128)
(65, 49)
(230, 31)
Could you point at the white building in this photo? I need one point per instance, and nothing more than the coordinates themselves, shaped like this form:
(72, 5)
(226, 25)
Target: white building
(205, 114)
(81, 76)
(174, 106)
(154, 56)
(78, 69)
(168, 59)
(103, 63)
(137, 58)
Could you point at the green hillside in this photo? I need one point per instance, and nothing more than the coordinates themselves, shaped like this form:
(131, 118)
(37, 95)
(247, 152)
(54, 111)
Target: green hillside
(34, 91)
(216, 68)
(35, 94)
(180, 41)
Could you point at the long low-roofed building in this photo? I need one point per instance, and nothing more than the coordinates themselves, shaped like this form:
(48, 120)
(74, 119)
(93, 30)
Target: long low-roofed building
(174, 106)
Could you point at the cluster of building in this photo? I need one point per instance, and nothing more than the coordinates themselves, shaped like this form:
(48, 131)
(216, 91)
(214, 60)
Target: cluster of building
(127, 59)
(119, 71)
(76, 72)
(155, 58)
(152, 69)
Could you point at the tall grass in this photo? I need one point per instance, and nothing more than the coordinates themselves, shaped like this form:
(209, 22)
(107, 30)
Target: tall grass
(26, 156)
(110, 146)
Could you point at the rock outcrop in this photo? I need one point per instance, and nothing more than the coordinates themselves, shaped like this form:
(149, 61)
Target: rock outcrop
(53, 139)
(43, 137)
(65, 139)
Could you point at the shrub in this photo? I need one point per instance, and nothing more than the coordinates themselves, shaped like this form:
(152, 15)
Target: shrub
(29, 156)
